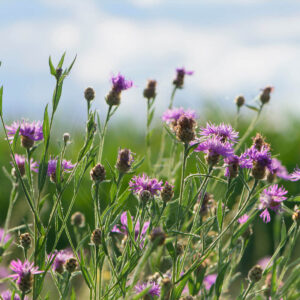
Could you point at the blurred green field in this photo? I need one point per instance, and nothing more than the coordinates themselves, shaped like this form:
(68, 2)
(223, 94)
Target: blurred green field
(120, 134)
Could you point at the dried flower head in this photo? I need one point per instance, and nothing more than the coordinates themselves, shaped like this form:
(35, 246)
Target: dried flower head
(66, 137)
(259, 142)
(271, 198)
(89, 94)
(24, 274)
(140, 183)
(78, 219)
(25, 240)
(150, 90)
(180, 74)
(239, 101)
(98, 173)
(124, 161)
(145, 196)
(255, 273)
(96, 237)
(29, 132)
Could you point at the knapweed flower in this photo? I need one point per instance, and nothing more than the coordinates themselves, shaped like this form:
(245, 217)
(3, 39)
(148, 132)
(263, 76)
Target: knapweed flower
(239, 101)
(60, 258)
(20, 161)
(295, 176)
(124, 161)
(24, 274)
(4, 238)
(144, 183)
(209, 280)
(119, 84)
(167, 192)
(123, 228)
(171, 116)
(224, 132)
(232, 166)
(150, 90)
(277, 170)
(66, 166)
(179, 79)
(214, 148)
(153, 291)
(271, 198)
(185, 129)
(6, 295)
(243, 219)
(29, 132)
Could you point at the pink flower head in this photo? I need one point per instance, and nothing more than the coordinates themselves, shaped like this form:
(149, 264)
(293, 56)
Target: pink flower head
(20, 161)
(6, 295)
(173, 115)
(222, 131)
(120, 83)
(4, 238)
(243, 219)
(209, 280)
(142, 183)
(153, 291)
(52, 163)
(279, 169)
(33, 131)
(23, 270)
(295, 176)
(60, 259)
(182, 71)
(271, 198)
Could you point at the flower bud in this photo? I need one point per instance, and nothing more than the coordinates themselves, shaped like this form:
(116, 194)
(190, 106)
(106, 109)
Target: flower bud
(259, 142)
(258, 171)
(25, 240)
(96, 237)
(89, 94)
(185, 129)
(78, 219)
(266, 94)
(25, 282)
(144, 196)
(255, 273)
(71, 264)
(113, 97)
(150, 90)
(98, 173)
(124, 161)
(26, 142)
(239, 101)
(59, 72)
(66, 137)
(167, 192)
(158, 236)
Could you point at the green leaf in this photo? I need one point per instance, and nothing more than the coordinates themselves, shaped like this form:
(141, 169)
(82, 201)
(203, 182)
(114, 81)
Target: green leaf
(129, 223)
(46, 126)
(171, 249)
(252, 107)
(142, 294)
(52, 69)
(220, 214)
(283, 232)
(43, 167)
(16, 136)
(1, 96)
(294, 199)
(61, 61)
(150, 117)
(220, 279)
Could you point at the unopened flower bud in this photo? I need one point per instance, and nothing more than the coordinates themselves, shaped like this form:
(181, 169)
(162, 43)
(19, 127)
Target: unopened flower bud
(185, 129)
(25, 240)
(145, 196)
(58, 73)
(158, 236)
(150, 90)
(27, 142)
(259, 142)
(167, 192)
(239, 101)
(255, 273)
(96, 237)
(113, 97)
(71, 264)
(89, 94)
(258, 171)
(78, 219)
(25, 282)
(98, 173)
(266, 94)
(124, 161)
(66, 137)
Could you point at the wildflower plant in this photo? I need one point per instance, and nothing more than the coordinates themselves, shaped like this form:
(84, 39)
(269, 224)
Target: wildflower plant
(164, 233)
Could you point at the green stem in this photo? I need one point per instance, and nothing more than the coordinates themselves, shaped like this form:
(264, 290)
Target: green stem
(103, 133)
(250, 286)
(172, 97)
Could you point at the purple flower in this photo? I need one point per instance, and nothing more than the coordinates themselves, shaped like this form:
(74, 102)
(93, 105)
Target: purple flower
(52, 163)
(279, 169)
(271, 198)
(153, 291)
(6, 295)
(222, 131)
(60, 259)
(295, 176)
(120, 83)
(263, 262)
(34, 130)
(144, 183)
(243, 219)
(213, 146)
(123, 228)
(20, 161)
(4, 238)
(209, 280)
(183, 71)
(172, 115)
(24, 272)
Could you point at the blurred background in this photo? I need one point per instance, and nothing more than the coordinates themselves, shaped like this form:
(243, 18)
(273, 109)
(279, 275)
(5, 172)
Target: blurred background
(234, 46)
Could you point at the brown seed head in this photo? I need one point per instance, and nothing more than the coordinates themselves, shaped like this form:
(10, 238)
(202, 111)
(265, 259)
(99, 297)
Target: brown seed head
(98, 173)
(89, 94)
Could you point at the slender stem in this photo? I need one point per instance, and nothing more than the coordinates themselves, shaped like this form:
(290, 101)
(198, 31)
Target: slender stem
(172, 97)
(103, 133)
(249, 287)
(148, 132)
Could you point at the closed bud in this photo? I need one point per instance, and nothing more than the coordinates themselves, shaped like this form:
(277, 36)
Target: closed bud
(58, 73)
(71, 264)
(158, 236)
(259, 142)
(89, 94)
(255, 273)
(145, 196)
(167, 192)
(25, 282)
(25, 240)
(78, 219)
(26, 142)
(258, 171)
(185, 129)
(66, 137)
(266, 94)
(96, 237)
(124, 161)
(98, 173)
(113, 97)
(150, 90)
(239, 101)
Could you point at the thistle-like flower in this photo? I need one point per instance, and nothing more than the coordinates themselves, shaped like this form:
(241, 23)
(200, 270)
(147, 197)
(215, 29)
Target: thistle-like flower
(209, 281)
(232, 166)
(29, 132)
(66, 166)
(185, 129)
(295, 176)
(141, 183)
(277, 170)
(265, 95)
(243, 219)
(171, 116)
(180, 74)
(224, 132)
(150, 90)
(167, 192)
(4, 238)
(119, 84)
(60, 259)
(7, 295)
(24, 274)
(20, 161)
(271, 199)
(153, 291)
(239, 101)
(124, 161)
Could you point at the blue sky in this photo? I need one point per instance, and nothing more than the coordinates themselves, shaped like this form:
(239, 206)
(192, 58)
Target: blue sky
(234, 46)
